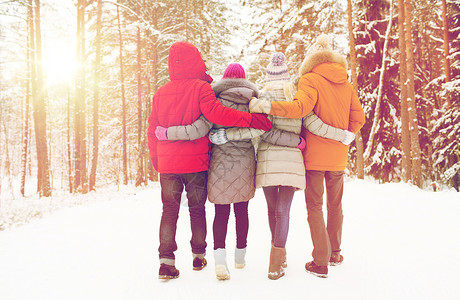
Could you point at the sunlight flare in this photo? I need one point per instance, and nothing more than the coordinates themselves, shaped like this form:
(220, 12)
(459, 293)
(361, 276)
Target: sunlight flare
(59, 64)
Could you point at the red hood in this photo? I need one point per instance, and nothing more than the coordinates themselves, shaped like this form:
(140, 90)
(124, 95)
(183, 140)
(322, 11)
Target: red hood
(185, 62)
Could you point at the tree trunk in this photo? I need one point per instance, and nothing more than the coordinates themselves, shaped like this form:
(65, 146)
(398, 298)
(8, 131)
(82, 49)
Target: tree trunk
(376, 123)
(39, 104)
(69, 150)
(140, 159)
(150, 171)
(445, 26)
(405, 135)
(430, 109)
(81, 177)
(358, 139)
(6, 151)
(123, 102)
(30, 26)
(97, 81)
(416, 168)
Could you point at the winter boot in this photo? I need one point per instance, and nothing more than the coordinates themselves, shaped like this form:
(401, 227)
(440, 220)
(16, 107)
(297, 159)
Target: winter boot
(275, 269)
(312, 268)
(199, 262)
(240, 262)
(336, 259)
(284, 265)
(220, 259)
(168, 272)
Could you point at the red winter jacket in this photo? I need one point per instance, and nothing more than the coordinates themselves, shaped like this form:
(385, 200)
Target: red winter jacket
(180, 102)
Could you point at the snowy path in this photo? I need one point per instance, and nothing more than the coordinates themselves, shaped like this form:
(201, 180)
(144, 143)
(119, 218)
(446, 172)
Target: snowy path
(398, 243)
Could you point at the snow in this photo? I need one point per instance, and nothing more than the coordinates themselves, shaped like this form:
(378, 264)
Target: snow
(399, 242)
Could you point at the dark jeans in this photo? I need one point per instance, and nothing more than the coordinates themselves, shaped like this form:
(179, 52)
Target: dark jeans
(279, 199)
(221, 221)
(172, 186)
(326, 238)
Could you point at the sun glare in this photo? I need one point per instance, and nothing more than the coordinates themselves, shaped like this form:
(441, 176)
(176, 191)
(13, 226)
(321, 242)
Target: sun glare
(60, 64)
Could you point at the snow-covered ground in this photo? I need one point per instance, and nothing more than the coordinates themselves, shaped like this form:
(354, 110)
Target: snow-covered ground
(399, 242)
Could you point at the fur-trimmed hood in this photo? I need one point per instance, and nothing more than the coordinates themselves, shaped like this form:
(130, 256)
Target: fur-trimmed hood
(235, 89)
(320, 57)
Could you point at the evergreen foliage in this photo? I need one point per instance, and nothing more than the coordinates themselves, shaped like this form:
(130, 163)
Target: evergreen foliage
(232, 31)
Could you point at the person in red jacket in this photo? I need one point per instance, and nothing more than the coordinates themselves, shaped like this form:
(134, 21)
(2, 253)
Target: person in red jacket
(183, 163)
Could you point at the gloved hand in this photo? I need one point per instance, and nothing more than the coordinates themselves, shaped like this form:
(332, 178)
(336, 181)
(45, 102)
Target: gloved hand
(160, 132)
(301, 145)
(349, 137)
(260, 106)
(260, 121)
(218, 136)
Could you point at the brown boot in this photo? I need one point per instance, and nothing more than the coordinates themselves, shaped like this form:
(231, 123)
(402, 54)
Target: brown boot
(275, 269)
(284, 264)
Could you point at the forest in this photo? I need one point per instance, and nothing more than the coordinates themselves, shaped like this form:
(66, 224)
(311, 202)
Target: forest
(77, 79)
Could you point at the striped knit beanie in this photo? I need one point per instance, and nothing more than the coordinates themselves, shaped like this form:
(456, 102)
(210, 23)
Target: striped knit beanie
(277, 68)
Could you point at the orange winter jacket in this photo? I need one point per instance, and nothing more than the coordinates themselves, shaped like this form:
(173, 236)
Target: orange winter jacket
(324, 88)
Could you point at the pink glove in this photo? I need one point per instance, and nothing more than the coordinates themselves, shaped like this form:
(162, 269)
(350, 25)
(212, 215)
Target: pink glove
(160, 132)
(301, 145)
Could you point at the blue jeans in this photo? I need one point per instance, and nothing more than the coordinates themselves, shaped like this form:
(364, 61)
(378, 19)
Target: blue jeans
(172, 186)
(279, 199)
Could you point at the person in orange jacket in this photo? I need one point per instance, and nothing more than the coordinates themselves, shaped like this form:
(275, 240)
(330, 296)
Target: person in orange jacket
(324, 89)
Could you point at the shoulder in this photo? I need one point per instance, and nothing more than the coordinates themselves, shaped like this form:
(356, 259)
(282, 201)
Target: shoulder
(228, 83)
(308, 78)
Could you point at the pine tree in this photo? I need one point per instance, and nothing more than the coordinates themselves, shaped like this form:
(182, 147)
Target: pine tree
(39, 105)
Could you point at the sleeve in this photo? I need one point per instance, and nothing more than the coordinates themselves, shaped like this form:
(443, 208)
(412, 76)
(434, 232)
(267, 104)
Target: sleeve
(242, 133)
(304, 101)
(151, 137)
(217, 113)
(316, 126)
(357, 118)
(280, 137)
(268, 95)
(196, 130)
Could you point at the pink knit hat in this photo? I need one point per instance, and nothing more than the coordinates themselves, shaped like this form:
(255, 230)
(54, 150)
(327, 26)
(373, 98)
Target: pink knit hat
(234, 70)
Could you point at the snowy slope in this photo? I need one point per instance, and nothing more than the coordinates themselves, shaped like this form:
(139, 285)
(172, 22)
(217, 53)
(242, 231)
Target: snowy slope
(399, 243)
